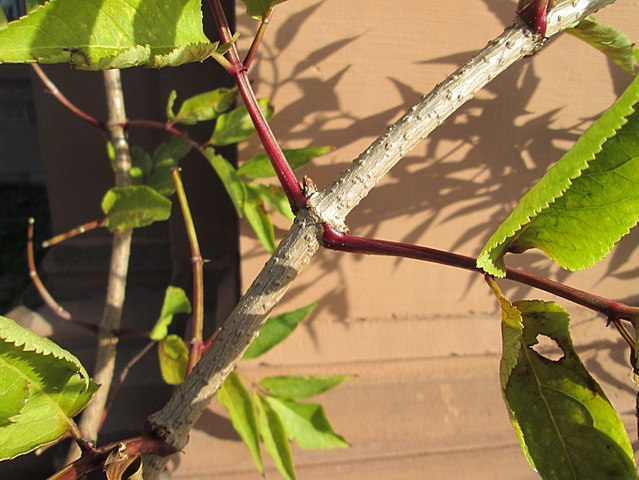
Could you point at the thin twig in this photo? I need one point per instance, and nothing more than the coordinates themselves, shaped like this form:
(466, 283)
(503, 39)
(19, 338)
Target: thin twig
(74, 232)
(198, 275)
(53, 89)
(257, 39)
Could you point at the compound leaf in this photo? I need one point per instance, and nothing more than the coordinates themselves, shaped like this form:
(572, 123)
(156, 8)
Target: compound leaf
(259, 218)
(133, 207)
(236, 125)
(275, 437)
(301, 386)
(41, 386)
(276, 329)
(240, 407)
(306, 424)
(175, 301)
(566, 425)
(585, 203)
(260, 166)
(101, 34)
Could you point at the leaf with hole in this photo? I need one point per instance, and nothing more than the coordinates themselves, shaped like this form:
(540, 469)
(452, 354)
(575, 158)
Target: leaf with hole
(205, 106)
(306, 424)
(585, 203)
(301, 386)
(42, 386)
(275, 437)
(174, 358)
(260, 166)
(608, 40)
(242, 411)
(259, 218)
(109, 34)
(235, 126)
(277, 329)
(134, 207)
(566, 426)
(175, 301)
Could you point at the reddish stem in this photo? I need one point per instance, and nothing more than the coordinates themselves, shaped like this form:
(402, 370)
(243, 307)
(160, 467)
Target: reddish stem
(534, 13)
(285, 174)
(335, 240)
(257, 40)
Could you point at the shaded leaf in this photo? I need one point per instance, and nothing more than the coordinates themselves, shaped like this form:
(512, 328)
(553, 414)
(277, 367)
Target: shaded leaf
(108, 34)
(120, 466)
(41, 386)
(275, 438)
(260, 166)
(276, 197)
(232, 183)
(306, 424)
(239, 405)
(235, 126)
(174, 148)
(276, 329)
(608, 40)
(175, 301)
(585, 203)
(174, 358)
(259, 218)
(205, 106)
(301, 387)
(169, 105)
(141, 165)
(258, 8)
(134, 207)
(566, 424)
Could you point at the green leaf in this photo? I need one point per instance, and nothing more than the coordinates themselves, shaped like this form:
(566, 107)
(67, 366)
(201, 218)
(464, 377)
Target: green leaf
(237, 125)
(608, 40)
(301, 387)
(275, 438)
(258, 8)
(260, 166)
(567, 426)
(276, 197)
(161, 179)
(3, 19)
(240, 407)
(259, 218)
(108, 34)
(231, 181)
(585, 203)
(41, 386)
(174, 358)
(133, 207)
(169, 105)
(276, 329)
(175, 301)
(141, 164)
(306, 424)
(206, 106)
(174, 148)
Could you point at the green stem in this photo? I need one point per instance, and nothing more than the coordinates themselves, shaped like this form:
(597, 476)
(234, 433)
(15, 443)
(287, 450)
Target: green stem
(257, 40)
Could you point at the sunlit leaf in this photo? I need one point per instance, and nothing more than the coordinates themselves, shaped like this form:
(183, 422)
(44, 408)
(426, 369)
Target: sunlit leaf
(41, 387)
(276, 329)
(276, 197)
(306, 424)
(301, 387)
(275, 438)
(608, 40)
(585, 203)
(565, 423)
(259, 218)
(108, 34)
(242, 411)
(231, 181)
(134, 207)
(260, 166)
(175, 301)
(174, 358)
(205, 106)
(235, 126)
(258, 8)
